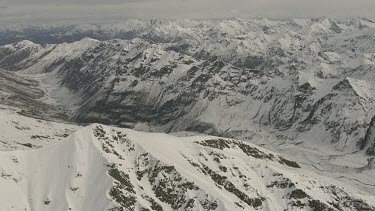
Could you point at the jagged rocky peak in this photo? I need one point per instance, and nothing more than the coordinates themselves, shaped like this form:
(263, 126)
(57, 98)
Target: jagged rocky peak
(296, 85)
(144, 171)
(301, 87)
(283, 75)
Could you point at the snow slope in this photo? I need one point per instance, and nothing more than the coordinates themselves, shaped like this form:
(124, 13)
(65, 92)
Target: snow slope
(303, 88)
(283, 75)
(19, 132)
(107, 168)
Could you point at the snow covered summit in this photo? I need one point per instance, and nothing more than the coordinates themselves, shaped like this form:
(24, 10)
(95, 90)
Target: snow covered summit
(107, 168)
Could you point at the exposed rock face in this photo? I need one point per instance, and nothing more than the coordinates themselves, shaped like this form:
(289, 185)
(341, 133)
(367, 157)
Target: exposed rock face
(311, 80)
(306, 86)
(368, 142)
(107, 168)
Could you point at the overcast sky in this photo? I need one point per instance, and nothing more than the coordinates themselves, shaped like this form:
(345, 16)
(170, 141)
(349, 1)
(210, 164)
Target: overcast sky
(23, 11)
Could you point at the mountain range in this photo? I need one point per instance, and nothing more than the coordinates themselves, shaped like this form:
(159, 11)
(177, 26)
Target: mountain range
(303, 88)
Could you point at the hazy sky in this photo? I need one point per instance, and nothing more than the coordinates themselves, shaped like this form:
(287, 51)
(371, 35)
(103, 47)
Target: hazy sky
(107, 10)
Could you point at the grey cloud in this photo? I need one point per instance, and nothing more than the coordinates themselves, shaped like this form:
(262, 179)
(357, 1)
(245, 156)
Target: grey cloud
(55, 10)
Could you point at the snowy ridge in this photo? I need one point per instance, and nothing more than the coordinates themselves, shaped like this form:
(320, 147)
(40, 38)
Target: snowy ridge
(105, 168)
(301, 87)
(118, 72)
(364, 89)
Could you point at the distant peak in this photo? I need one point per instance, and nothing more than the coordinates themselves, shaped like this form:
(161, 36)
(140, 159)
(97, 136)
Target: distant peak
(25, 43)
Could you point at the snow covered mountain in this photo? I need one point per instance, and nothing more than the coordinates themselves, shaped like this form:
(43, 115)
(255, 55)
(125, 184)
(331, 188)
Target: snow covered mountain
(303, 88)
(107, 168)
(309, 80)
